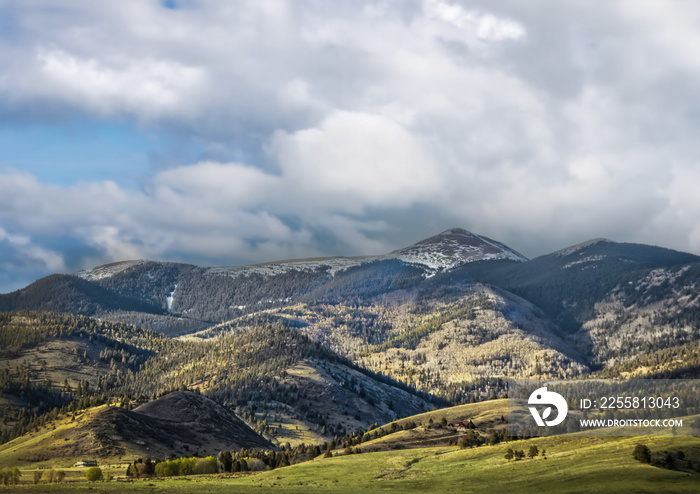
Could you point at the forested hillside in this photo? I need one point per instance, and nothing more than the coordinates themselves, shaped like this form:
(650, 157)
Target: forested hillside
(458, 347)
(54, 363)
(676, 362)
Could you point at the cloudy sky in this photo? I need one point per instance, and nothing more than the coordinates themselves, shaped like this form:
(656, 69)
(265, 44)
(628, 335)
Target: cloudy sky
(236, 132)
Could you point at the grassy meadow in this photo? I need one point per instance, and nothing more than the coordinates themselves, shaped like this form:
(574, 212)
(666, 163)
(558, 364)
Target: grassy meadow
(572, 464)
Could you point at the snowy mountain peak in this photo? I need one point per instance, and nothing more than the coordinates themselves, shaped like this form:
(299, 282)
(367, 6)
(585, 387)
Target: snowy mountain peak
(454, 247)
(453, 231)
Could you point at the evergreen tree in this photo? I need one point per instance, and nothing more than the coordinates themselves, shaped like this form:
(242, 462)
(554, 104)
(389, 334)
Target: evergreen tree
(532, 452)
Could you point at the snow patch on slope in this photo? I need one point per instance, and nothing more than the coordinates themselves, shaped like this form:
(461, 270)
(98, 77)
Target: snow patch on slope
(332, 264)
(658, 277)
(585, 260)
(106, 271)
(169, 298)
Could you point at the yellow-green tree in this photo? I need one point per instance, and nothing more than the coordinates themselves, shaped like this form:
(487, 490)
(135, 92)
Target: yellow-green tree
(93, 474)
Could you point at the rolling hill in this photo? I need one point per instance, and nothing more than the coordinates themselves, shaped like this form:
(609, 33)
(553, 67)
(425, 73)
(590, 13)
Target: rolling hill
(179, 423)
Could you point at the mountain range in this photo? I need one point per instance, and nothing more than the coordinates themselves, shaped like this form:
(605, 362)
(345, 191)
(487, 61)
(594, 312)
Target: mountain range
(582, 299)
(341, 343)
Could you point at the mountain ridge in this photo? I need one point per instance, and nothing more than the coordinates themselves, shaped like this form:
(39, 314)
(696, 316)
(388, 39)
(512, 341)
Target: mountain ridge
(410, 299)
(442, 251)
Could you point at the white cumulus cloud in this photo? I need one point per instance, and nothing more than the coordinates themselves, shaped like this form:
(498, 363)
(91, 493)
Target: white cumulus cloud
(351, 127)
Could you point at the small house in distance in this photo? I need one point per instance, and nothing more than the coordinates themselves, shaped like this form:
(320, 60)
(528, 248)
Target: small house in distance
(86, 463)
(462, 425)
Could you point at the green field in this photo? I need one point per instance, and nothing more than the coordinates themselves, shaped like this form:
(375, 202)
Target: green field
(573, 464)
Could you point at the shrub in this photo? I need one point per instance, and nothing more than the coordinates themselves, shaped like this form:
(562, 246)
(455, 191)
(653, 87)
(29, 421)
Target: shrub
(642, 453)
(93, 474)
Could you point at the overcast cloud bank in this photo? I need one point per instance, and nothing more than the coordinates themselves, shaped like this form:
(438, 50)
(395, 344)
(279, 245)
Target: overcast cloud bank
(355, 127)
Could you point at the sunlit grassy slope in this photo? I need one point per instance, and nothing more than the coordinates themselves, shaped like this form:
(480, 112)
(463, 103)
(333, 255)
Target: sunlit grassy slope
(41, 447)
(572, 465)
(485, 413)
